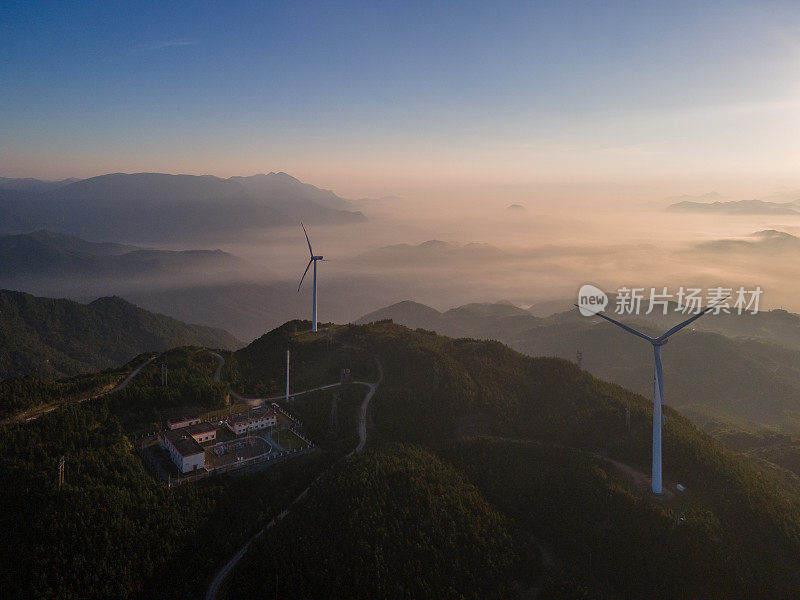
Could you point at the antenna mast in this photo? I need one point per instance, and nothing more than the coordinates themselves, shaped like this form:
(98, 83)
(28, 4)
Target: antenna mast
(60, 473)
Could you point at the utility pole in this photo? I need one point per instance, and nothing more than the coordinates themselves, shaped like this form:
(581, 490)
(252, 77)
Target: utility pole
(287, 375)
(334, 424)
(628, 418)
(60, 473)
(579, 356)
(164, 374)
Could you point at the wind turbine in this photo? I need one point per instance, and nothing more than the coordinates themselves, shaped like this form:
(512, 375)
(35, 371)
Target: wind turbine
(314, 260)
(658, 385)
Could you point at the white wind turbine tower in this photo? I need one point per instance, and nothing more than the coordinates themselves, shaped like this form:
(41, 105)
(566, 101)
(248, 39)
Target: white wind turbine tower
(658, 385)
(314, 260)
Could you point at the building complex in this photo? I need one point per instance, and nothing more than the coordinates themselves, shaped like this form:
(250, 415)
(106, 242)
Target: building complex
(187, 438)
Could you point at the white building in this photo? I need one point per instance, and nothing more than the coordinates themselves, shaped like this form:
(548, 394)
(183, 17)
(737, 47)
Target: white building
(177, 422)
(259, 418)
(183, 445)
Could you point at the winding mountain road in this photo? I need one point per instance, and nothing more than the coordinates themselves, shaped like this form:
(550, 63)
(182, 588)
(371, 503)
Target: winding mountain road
(34, 413)
(240, 398)
(362, 417)
(220, 364)
(223, 573)
(134, 373)
(292, 394)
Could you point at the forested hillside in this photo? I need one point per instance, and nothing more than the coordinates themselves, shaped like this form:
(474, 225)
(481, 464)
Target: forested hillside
(487, 474)
(113, 532)
(50, 338)
(734, 366)
(554, 453)
(395, 522)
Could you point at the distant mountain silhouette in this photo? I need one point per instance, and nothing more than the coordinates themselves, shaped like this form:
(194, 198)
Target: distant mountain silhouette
(28, 184)
(409, 313)
(737, 207)
(47, 254)
(515, 208)
(769, 241)
(546, 308)
(490, 320)
(707, 197)
(293, 197)
(157, 206)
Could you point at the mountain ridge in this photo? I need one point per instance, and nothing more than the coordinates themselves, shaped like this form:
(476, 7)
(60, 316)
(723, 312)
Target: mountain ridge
(703, 366)
(50, 256)
(736, 207)
(158, 206)
(51, 337)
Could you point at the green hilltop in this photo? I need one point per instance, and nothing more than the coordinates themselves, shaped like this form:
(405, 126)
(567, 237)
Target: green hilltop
(548, 445)
(487, 474)
(48, 337)
(742, 366)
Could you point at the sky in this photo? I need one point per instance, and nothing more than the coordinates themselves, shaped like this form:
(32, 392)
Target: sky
(382, 98)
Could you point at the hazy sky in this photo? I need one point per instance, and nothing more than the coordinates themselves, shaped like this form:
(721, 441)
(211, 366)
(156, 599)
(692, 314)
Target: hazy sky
(382, 97)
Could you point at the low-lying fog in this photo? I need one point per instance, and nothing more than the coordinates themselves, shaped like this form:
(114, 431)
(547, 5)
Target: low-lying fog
(453, 248)
(541, 250)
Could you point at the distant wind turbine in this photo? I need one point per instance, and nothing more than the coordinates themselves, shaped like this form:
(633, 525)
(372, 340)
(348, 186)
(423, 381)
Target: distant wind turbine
(658, 385)
(314, 260)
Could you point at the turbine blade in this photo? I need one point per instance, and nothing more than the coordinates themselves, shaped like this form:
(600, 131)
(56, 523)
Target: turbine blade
(308, 266)
(307, 240)
(694, 318)
(625, 327)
